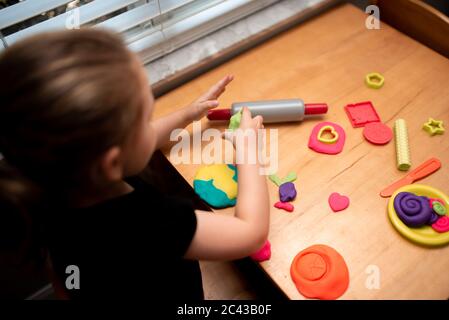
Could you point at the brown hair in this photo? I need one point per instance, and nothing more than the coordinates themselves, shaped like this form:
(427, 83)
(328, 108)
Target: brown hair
(65, 97)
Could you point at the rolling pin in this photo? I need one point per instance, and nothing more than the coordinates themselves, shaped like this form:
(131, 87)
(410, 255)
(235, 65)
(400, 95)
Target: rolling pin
(272, 111)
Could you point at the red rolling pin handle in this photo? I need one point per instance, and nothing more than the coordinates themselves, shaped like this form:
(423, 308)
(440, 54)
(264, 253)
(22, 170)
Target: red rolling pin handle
(315, 108)
(219, 114)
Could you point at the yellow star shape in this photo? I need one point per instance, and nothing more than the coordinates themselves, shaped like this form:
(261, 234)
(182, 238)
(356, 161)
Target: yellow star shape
(434, 127)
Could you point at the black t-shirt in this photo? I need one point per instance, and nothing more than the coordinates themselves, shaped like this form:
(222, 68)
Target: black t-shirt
(128, 247)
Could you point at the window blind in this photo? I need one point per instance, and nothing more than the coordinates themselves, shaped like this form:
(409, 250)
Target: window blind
(151, 28)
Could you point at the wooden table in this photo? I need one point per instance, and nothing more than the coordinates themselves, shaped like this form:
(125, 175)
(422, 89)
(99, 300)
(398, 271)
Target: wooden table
(325, 60)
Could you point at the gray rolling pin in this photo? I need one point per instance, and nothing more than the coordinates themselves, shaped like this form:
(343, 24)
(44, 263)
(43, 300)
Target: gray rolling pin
(272, 111)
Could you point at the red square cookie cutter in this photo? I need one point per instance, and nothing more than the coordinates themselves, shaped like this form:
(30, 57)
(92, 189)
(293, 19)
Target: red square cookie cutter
(361, 113)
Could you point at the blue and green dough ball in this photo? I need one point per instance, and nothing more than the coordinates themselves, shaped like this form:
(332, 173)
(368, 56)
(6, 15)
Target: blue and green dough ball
(217, 185)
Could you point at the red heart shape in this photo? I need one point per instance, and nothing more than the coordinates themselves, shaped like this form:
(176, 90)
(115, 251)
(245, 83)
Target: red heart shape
(337, 202)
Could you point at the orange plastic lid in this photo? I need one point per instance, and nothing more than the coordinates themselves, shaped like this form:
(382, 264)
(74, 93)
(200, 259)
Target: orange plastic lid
(320, 272)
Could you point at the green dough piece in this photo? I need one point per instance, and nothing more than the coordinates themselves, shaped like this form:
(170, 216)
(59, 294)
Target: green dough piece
(439, 208)
(234, 122)
(275, 179)
(291, 176)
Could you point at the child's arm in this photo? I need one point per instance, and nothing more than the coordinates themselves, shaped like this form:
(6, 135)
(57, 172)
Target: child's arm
(195, 111)
(220, 237)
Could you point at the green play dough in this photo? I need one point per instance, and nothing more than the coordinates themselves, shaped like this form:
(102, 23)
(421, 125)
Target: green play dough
(234, 122)
(291, 176)
(275, 179)
(439, 208)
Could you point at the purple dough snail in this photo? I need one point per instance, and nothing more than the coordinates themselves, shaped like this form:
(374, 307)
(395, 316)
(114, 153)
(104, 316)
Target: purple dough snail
(413, 210)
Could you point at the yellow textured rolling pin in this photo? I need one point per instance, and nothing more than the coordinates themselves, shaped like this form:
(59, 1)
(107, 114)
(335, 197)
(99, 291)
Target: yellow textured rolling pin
(402, 147)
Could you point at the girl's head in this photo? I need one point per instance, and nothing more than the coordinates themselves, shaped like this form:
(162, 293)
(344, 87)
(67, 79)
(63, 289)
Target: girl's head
(74, 110)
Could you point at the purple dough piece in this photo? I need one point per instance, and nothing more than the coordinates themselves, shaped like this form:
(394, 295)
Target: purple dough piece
(413, 210)
(287, 192)
(433, 218)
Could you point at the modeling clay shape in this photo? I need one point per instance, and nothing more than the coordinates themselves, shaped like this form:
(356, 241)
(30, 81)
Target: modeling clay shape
(331, 131)
(374, 80)
(234, 121)
(263, 254)
(327, 148)
(433, 218)
(290, 177)
(287, 192)
(402, 146)
(337, 202)
(441, 225)
(275, 179)
(361, 113)
(431, 201)
(285, 206)
(377, 133)
(320, 272)
(413, 210)
(217, 185)
(439, 208)
(434, 127)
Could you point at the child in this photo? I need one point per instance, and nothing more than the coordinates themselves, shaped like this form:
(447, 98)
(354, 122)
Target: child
(75, 120)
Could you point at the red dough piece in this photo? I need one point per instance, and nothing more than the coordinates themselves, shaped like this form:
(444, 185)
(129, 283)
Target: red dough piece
(431, 201)
(337, 202)
(361, 113)
(263, 254)
(285, 206)
(442, 224)
(327, 148)
(320, 272)
(377, 133)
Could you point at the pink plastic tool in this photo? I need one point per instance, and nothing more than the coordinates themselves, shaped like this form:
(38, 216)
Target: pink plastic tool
(361, 113)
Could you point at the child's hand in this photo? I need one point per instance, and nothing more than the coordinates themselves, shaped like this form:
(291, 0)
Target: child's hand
(250, 123)
(246, 123)
(207, 101)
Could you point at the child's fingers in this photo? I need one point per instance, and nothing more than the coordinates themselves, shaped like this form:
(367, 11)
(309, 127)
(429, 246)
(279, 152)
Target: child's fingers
(259, 121)
(216, 90)
(246, 115)
(210, 104)
(221, 85)
(246, 120)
